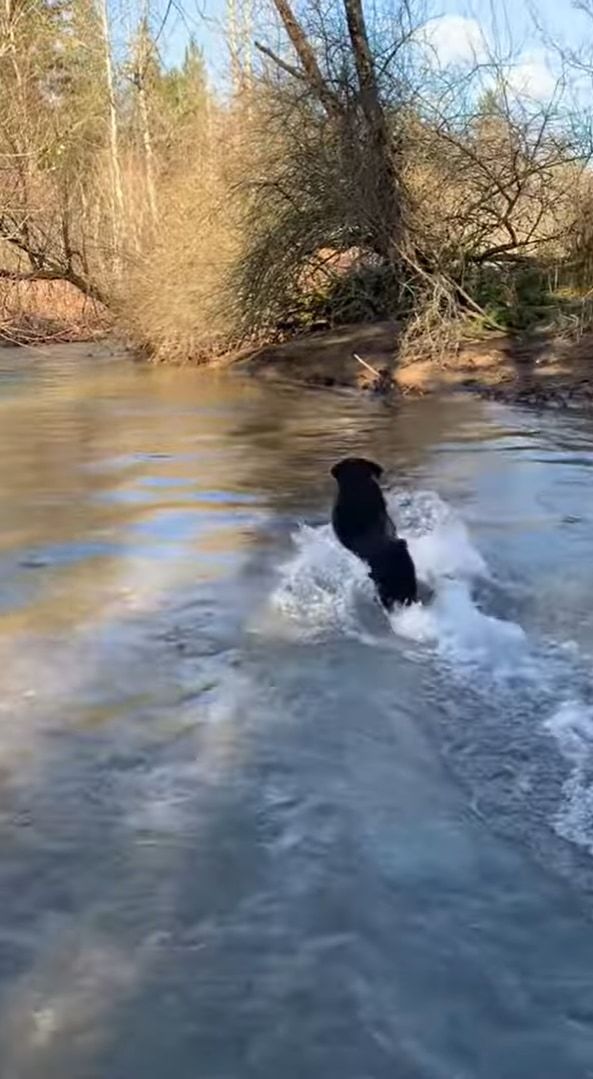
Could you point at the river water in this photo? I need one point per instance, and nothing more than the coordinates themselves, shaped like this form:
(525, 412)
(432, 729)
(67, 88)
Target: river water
(250, 827)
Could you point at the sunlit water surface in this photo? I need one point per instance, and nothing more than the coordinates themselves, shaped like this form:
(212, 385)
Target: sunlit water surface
(249, 827)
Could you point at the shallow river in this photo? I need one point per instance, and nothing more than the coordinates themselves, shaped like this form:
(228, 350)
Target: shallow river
(249, 827)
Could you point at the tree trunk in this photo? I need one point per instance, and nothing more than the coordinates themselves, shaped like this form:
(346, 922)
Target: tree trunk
(141, 63)
(381, 179)
(148, 152)
(234, 45)
(117, 194)
(307, 57)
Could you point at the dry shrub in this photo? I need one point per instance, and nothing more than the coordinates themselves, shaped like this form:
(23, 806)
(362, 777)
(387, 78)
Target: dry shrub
(175, 303)
(492, 190)
(343, 182)
(432, 327)
(307, 209)
(580, 247)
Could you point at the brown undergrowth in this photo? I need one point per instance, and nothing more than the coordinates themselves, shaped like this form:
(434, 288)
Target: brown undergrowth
(33, 312)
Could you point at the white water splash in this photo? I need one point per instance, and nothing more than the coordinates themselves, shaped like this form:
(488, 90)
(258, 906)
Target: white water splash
(449, 563)
(325, 589)
(572, 728)
(321, 585)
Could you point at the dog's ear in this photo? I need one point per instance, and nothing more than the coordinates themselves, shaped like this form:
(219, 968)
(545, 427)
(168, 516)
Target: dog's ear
(376, 469)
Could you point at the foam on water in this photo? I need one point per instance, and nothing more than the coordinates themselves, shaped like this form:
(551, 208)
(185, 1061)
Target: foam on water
(319, 585)
(449, 563)
(572, 728)
(322, 586)
(324, 589)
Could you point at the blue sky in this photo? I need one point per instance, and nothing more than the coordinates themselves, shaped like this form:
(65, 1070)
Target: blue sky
(455, 23)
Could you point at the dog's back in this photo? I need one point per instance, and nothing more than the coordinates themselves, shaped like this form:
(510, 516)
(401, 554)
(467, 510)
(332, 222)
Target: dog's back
(362, 524)
(360, 517)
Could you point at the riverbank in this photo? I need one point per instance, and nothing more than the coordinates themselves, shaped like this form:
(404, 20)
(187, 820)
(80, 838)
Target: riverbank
(49, 312)
(540, 371)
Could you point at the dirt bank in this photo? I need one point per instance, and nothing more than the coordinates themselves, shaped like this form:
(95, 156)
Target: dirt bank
(542, 371)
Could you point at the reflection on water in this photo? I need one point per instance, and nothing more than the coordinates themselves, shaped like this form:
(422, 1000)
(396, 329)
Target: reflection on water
(249, 827)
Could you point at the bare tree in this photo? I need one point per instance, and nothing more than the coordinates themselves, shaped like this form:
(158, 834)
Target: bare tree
(139, 73)
(44, 148)
(430, 182)
(117, 191)
(360, 115)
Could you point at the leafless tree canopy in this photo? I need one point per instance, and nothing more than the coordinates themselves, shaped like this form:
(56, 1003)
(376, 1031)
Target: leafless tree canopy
(436, 182)
(343, 175)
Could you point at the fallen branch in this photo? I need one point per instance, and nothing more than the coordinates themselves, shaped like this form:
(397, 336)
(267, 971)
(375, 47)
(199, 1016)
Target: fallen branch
(67, 275)
(31, 275)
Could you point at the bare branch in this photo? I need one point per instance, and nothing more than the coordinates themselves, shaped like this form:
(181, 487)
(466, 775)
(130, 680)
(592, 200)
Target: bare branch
(282, 64)
(306, 55)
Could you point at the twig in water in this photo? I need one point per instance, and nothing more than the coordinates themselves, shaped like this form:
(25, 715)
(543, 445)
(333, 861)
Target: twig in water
(364, 363)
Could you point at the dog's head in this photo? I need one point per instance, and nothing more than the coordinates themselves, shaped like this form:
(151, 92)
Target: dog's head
(356, 470)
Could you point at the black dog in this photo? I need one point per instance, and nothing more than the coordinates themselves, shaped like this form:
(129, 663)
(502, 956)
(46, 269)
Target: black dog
(361, 522)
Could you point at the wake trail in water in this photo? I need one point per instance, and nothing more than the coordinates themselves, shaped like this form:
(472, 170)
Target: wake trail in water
(324, 590)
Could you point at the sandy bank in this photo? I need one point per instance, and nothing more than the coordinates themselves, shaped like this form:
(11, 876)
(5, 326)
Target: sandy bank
(541, 371)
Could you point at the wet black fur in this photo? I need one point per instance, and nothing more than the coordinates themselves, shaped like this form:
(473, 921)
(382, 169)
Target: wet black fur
(363, 525)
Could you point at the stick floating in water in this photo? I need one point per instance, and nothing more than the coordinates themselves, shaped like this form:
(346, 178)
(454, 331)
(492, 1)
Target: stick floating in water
(368, 366)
